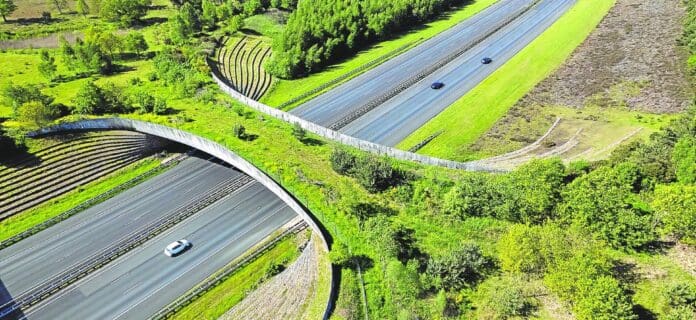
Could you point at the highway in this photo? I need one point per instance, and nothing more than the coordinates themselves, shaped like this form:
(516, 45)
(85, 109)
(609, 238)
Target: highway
(138, 284)
(393, 120)
(40, 257)
(35, 260)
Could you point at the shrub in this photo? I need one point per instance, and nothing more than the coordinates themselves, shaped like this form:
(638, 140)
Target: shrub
(125, 12)
(461, 268)
(239, 131)
(602, 202)
(37, 113)
(675, 206)
(504, 298)
(342, 161)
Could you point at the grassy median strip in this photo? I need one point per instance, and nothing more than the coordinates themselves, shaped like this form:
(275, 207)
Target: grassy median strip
(285, 90)
(215, 302)
(30, 218)
(465, 120)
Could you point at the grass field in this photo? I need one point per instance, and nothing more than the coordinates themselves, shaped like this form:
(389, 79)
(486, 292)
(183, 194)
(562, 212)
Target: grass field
(468, 118)
(267, 25)
(285, 90)
(25, 220)
(214, 303)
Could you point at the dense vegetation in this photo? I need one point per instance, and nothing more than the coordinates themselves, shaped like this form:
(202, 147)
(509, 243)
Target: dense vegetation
(566, 222)
(322, 31)
(419, 242)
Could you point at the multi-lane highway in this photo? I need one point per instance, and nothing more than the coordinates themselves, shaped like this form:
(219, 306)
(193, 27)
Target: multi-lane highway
(396, 118)
(234, 224)
(145, 280)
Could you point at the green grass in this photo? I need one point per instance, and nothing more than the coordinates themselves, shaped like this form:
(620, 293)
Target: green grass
(232, 290)
(473, 114)
(264, 24)
(27, 219)
(285, 90)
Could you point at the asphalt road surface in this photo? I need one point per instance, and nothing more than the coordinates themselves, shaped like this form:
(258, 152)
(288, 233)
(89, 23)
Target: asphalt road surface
(392, 121)
(397, 118)
(37, 259)
(143, 281)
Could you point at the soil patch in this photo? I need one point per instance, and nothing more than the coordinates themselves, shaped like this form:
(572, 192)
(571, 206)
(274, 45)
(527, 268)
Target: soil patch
(630, 62)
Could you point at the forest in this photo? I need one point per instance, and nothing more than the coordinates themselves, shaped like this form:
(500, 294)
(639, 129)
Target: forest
(321, 32)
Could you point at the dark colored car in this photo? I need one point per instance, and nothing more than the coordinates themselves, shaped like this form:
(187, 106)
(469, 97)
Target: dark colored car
(486, 60)
(437, 85)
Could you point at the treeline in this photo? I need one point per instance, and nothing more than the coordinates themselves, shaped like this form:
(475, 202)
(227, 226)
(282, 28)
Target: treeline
(689, 37)
(565, 222)
(321, 31)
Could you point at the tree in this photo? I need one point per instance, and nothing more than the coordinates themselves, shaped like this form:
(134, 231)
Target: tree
(6, 8)
(60, 4)
(82, 7)
(299, 132)
(472, 196)
(89, 100)
(684, 158)
(602, 298)
(342, 161)
(208, 14)
(252, 7)
(236, 24)
(37, 113)
(603, 202)
(462, 268)
(135, 42)
(239, 131)
(126, 12)
(17, 95)
(47, 66)
(376, 174)
(504, 298)
(675, 206)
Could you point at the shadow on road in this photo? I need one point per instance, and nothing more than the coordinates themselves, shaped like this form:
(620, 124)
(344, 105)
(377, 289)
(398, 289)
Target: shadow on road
(6, 297)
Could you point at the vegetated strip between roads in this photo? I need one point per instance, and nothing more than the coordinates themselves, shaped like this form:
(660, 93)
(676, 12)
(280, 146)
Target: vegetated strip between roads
(470, 116)
(40, 263)
(340, 102)
(285, 90)
(142, 282)
(404, 113)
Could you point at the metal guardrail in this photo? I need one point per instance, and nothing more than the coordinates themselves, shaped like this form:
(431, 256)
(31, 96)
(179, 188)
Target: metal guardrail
(89, 203)
(222, 274)
(367, 107)
(373, 63)
(127, 243)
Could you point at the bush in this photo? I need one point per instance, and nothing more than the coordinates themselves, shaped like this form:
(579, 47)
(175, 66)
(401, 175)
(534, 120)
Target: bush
(603, 202)
(462, 268)
(125, 12)
(239, 131)
(681, 294)
(376, 174)
(504, 298)
(342, 161)
(684, 158)
(37, 113)
(675, 207)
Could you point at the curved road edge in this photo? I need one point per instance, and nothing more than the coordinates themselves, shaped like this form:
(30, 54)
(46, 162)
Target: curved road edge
(212, 148)
(342, 138)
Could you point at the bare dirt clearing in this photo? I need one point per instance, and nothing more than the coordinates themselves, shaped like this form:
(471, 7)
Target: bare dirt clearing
(614, 87)
(286, 295)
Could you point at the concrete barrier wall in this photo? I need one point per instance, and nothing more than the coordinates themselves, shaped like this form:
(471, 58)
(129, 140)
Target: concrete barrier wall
(194, 141)
(348, 140)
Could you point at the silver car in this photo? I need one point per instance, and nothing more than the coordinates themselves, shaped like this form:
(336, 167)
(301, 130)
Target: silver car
(177, 247)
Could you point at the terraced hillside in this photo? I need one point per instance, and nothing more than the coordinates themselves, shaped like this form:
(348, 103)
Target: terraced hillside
(240, 63)
(28, 181)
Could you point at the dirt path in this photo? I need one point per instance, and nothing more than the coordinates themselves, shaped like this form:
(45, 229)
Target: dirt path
(50, 41)
(630, 62)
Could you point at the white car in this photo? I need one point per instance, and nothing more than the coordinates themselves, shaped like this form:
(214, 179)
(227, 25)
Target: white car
(177, 247)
